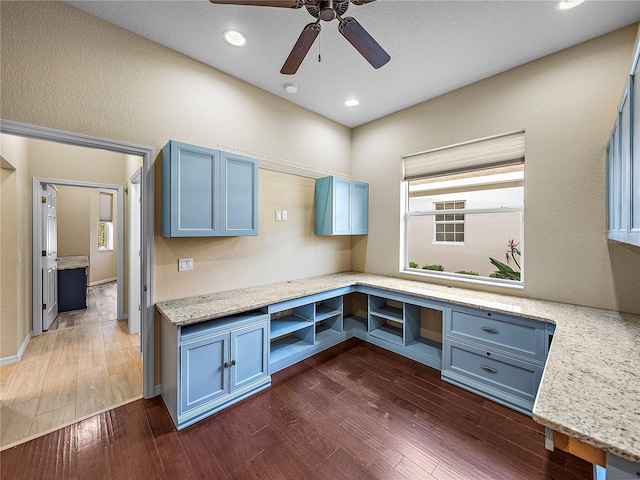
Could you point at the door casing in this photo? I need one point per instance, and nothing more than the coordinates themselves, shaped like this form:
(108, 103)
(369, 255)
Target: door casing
(148, 187)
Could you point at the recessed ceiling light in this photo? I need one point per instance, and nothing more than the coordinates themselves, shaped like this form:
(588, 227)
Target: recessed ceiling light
(291, 87)
(352, 102)
(568, 4)
(234, 38)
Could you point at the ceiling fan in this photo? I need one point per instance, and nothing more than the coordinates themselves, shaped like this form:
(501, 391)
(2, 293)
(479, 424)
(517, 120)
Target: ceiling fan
(326, 10)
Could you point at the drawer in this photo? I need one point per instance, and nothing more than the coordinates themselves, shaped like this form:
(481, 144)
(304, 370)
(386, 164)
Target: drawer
(492, 371)
(512, 335)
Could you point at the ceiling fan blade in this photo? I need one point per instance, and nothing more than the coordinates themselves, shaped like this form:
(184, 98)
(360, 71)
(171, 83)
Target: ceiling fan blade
(300, 49)
(361, 2)
(263, 3)
(363, 42)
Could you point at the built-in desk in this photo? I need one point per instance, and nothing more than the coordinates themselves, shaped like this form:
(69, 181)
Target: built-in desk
(590, 386)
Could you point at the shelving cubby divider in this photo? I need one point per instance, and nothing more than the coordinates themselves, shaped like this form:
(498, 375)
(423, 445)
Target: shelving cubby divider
(328, 318)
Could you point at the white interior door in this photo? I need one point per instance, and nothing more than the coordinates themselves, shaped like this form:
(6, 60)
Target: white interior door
(49, 257)
(135, 246)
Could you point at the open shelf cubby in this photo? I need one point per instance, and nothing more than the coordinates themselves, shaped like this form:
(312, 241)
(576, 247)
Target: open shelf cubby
(291, 344)
(354, 307)
(423, 330)
(384, 308)
(330, 307)
(385, 329)
(292, 320)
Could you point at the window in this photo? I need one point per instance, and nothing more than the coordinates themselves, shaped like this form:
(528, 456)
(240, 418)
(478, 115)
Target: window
(105, 236)
(463, 211)
(449, 227)
(105, 225)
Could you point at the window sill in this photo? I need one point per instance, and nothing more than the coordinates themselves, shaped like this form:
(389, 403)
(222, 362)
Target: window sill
(105, 250)
(457, 277)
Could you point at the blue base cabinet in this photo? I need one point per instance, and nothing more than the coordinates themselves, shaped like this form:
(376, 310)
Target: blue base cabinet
(211, 365)
(208, 193)
(342, 207)
(496, 356)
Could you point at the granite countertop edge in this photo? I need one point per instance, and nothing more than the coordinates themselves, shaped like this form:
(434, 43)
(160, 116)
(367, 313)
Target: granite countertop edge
(590, 387)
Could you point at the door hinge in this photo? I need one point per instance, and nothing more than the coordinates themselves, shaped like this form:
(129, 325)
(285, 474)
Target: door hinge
(44, 306)
(44, 253)
(44, 199)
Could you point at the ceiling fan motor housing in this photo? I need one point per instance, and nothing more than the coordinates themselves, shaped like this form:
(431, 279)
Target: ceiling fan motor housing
(328, 10)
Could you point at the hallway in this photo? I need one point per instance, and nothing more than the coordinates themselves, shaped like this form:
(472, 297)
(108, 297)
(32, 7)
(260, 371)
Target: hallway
(87, 364)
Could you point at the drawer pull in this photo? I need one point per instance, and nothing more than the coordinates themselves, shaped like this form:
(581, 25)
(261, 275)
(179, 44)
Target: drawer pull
(489, 330)
(488, 369)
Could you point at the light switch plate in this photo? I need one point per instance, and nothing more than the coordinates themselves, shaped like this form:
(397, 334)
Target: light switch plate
(185, 264)
(284, 215)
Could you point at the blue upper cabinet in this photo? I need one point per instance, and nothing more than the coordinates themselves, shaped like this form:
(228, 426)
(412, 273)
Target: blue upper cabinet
(342, 207)
(208, 193)
(623, 163)
(239, 199)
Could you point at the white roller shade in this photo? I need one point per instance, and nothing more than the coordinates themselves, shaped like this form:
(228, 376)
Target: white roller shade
(464, 157)
(106, 207)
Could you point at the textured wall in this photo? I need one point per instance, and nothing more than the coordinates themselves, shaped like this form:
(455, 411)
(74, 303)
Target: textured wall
(15, 277)
(566, 103)
(143, 93)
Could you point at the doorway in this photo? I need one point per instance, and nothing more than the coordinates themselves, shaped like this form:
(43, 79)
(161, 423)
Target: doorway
(90, 216)
(147, 229)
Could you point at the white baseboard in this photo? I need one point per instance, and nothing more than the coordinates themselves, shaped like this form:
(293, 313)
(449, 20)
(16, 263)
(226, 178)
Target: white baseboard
(99, 282)
(16, 358)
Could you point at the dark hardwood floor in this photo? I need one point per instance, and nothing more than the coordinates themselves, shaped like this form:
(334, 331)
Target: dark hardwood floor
(352, 412)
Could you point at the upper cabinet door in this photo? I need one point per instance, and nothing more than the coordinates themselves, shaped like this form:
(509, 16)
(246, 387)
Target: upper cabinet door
(360, 209)
(342, 200)
(190, 176)
(342, 207)
(239, 195)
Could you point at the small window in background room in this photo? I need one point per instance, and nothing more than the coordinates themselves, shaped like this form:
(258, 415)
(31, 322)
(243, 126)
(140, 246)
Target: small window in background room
(463, 215)
(105, 225)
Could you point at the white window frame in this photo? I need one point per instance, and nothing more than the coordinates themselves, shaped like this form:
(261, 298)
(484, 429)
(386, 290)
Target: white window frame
(476, 155)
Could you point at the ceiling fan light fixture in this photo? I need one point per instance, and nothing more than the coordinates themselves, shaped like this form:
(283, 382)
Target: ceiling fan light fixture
(351, 102)
(234, 38)
(567, 4)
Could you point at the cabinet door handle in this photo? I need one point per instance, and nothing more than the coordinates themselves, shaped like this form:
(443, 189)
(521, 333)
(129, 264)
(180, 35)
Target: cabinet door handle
(233, 362)
(488, 369)
(489, 330)
(226, 364)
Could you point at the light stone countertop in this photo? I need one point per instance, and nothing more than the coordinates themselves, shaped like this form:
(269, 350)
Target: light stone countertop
(71, 262)
(590, 388)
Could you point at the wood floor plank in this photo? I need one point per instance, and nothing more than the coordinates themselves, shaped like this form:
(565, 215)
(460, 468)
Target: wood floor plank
(53, 418)
(10, 462)
(93, 391)
(204, 464)
(60, 387)
(16, 420)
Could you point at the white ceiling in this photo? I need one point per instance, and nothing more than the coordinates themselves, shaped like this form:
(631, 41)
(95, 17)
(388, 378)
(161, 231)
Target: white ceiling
(435, 46)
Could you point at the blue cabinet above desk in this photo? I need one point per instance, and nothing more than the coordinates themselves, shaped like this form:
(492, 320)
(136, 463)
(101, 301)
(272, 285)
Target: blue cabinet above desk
(208, 193)
(342, 207)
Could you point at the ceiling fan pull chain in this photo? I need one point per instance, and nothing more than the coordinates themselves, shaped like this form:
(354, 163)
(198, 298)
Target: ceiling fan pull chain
(319, 56)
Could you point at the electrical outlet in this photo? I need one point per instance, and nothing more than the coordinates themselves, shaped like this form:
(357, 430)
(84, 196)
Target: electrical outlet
(284, 215)
(278, 215)
(185, 264)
